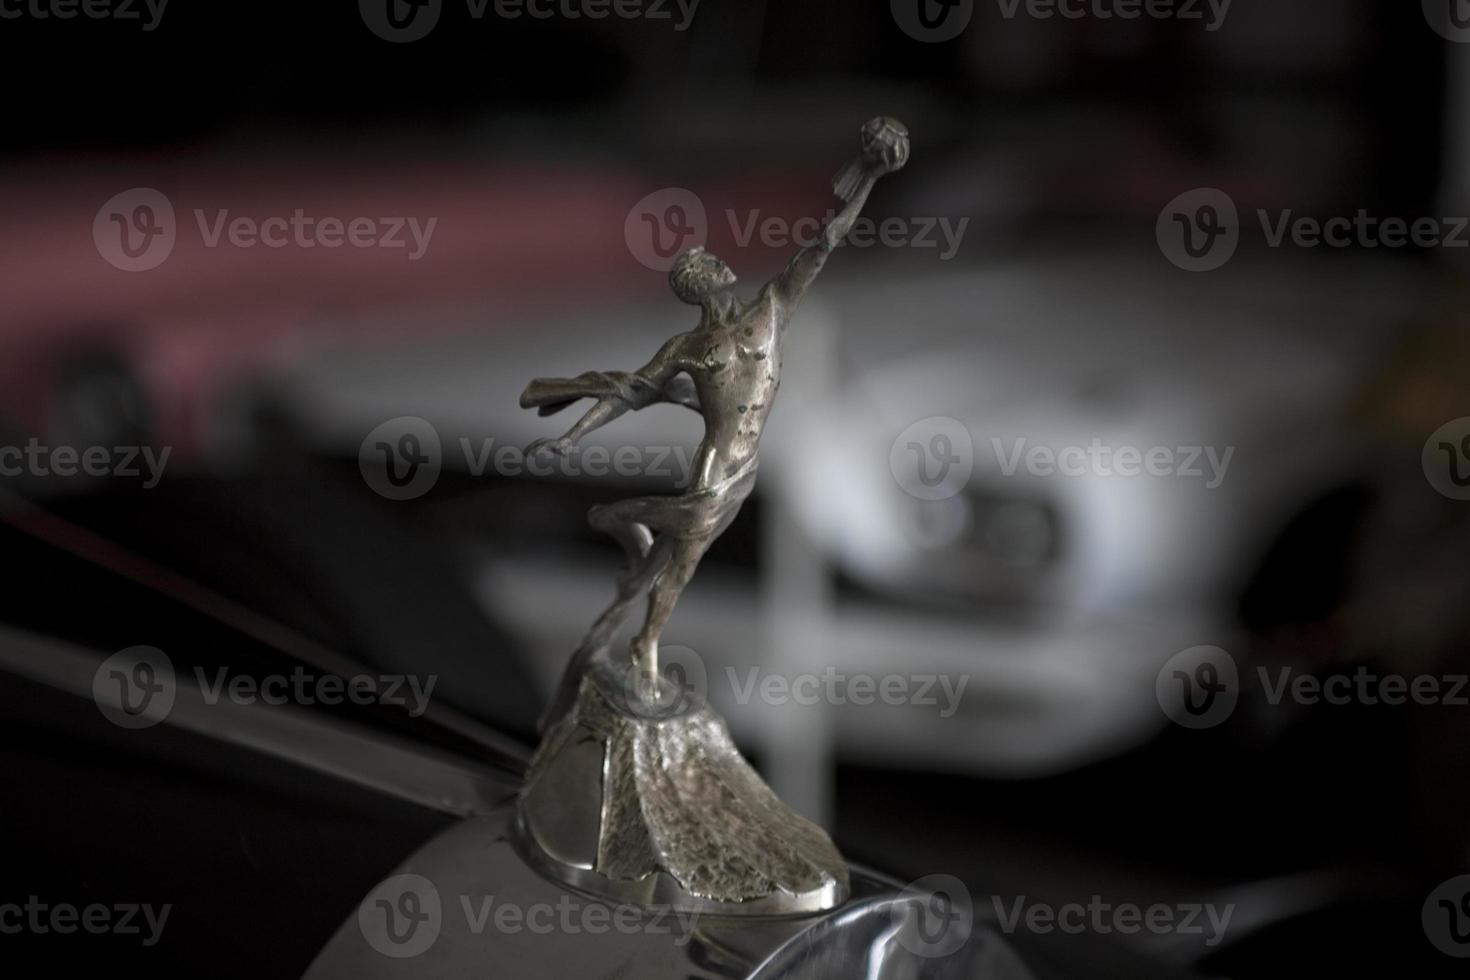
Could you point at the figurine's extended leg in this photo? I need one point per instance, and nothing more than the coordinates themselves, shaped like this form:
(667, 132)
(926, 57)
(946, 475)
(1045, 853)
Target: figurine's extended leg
(662, 597)
(626, 522)
(678, 553)
(634, 583)
(630, 586)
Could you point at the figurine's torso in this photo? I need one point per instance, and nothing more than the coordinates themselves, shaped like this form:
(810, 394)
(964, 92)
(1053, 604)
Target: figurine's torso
(736, 367)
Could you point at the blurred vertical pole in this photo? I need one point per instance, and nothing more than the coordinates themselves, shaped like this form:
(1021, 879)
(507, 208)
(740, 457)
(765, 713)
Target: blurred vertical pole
(796, 592)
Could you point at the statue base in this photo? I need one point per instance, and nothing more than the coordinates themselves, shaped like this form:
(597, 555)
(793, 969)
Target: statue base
(649, 802)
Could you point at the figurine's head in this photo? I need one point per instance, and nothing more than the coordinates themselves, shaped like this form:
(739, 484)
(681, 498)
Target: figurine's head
(697, 275)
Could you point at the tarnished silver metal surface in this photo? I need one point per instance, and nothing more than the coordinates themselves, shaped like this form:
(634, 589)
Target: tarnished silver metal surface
(674, 810)
(469, 904)
(682, 818)
(728, 369)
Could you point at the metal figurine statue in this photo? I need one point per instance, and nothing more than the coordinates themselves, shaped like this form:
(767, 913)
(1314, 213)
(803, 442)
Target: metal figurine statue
(636, 791)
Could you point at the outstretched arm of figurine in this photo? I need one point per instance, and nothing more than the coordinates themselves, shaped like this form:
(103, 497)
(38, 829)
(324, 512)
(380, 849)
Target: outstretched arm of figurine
(595, 418)
(885, 149)
(617, 392)
(792, 284)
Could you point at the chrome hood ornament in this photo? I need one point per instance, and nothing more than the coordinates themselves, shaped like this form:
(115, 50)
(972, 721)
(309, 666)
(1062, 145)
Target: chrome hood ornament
(637, 792)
